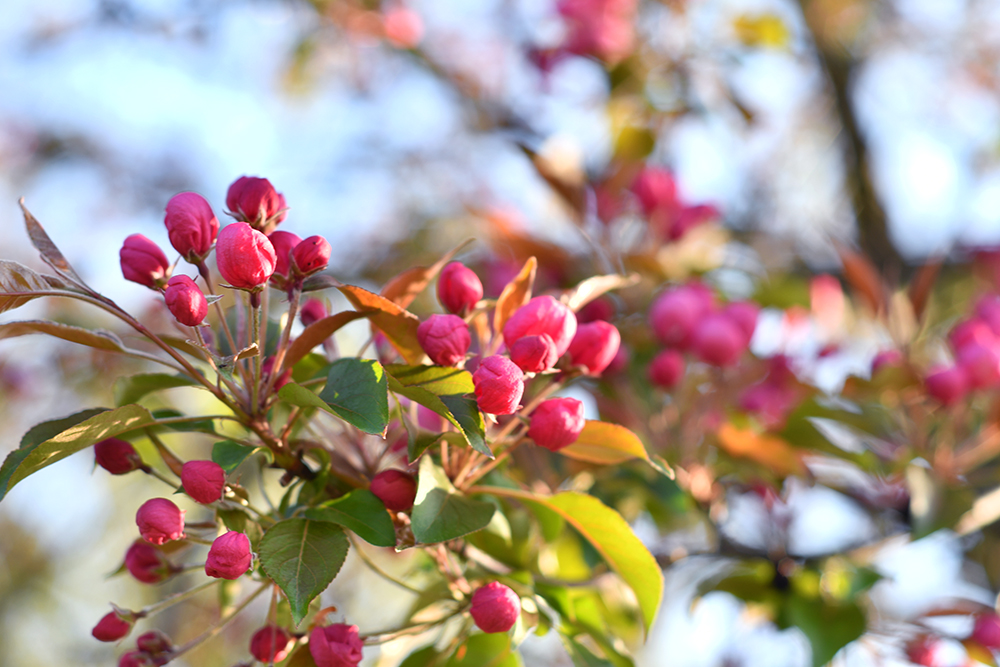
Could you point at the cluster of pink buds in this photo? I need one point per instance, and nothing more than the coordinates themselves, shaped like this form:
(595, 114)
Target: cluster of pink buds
(976, 345)
(688, 319)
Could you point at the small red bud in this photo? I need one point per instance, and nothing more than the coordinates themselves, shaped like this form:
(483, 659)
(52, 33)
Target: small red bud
(925, 650)
(534, 354)
(445, 339)
(885, 359)
(143, 262)
(155, 643)
(283, 243)
(987, 631)
(495, 607)
(336, 645)
(667, 369)
(396, 489)
(947, 385)
(255, 201)
(186, 301)
(542, 315)
(718, 340)
(117, 456)
(557, 423)
(136, 659)
(147, 563)
(270, 644)
(675, 314)
(112, 627)
(160, 521)
(229, 556)
(598, 309)
(459, 288)
(311, 255)
(499, 385)
(744, 314)
(656, 190)
(283, 379)
(981, 364)
(191, 225)
(204, 481)
(594, 346)
(312, 311)
(245, 257)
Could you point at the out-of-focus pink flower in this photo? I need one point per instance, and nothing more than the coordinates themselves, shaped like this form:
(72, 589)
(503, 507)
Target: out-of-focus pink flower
(270, 644)
(676, 312)
(594, 346)
(312, 311)
(403, 27)
(601, 28)
(718, 340)
(947, 385)
(557, 423)
(667, 369)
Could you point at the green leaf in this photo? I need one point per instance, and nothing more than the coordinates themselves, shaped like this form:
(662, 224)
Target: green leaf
(485, 650)
(440, 512)
(466, 412)
(581, 655)
(19, 285)
(439, 380)
(195, 425)
(130, 389)
(36, 455)
(301, 658)
(356, 391)
(829, 627)
(302, 557)
(230, 455)
(610, 535)
(361, 512)
(101, 340)
(39, 433)
(425, 657)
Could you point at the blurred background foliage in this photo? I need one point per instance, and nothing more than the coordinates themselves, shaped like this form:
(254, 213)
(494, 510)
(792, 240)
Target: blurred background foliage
(859, 138)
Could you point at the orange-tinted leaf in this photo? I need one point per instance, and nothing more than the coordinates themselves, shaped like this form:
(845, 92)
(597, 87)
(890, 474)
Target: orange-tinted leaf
(397, 324)
(405, 287)
(606, 444)
(768, 450)
(591, 288)
(515, 294)
(922, 284)
(863, 277)
(316, 333)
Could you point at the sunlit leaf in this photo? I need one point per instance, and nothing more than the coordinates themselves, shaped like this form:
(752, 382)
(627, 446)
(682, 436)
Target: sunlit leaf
(605, 444)
(360, 512)
(768, 450)
(405, 287)
(397, 324)
(440, 512)
(515, 294)
(591, 288)
(131, 388)
(19, 285)
(315, 334)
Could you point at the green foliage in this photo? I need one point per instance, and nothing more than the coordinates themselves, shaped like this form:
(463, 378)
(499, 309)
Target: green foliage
(440, 512)
(360, 512)
(131, 388)
(302, 557)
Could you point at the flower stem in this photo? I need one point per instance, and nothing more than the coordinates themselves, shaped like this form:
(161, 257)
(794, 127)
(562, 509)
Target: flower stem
(175, 598)
(221, 624)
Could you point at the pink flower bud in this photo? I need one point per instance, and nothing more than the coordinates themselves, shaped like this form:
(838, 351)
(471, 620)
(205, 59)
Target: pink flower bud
(191, 225)
(396, 489)
(117, 456)
(312, 311)
(744, 315)
(675, 314)
(143, 262)
(947, 385)
(203, 481)
(719, 341)
(160, 521)
(136, 659)
(667, 369)
(556, 423)
(689, 217)
(336, 645)
(594, 346)
(534, 354)
(770, 401)
(147, 563)
(283, 243)
(229, 556)
(445, 339)
(925, 650)
(186, 301)
(499, 385)
(970, 332)
(154, 643)
(598, 309)
(403, 27)
(987, 631)
(988, 310)
(656, 190)
(495, 607)
(981, 364)
(459, 288)
(112, 627)
(270, 644)
(312, 255)
(542, 315)
(255, 201)
(245, 257)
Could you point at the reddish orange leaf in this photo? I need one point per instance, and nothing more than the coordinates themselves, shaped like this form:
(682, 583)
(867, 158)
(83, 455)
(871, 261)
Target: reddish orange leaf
(768, 450)
(863, 277)
(315, 334)
(405, 287)
(922, 284)
(515, 294)
(397, 324)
